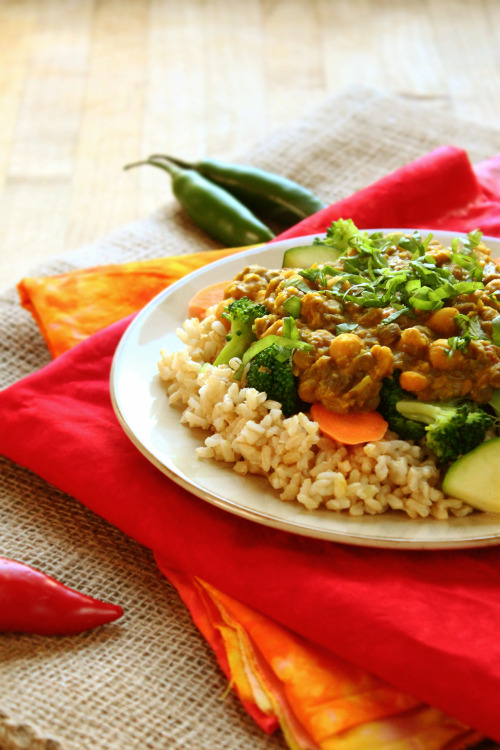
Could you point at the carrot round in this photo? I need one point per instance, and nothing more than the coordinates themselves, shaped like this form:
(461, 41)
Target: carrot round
(353, 428)
(205, 298)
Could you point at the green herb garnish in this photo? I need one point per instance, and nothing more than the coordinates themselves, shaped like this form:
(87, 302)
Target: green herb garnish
(292, 306)
(471, 330)
(366, 278)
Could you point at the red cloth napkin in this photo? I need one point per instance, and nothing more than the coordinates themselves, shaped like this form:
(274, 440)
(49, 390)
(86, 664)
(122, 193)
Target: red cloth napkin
(440, 190)
(427, 622)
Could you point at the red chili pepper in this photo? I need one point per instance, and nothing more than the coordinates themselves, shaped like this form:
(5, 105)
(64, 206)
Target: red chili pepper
(32, 602)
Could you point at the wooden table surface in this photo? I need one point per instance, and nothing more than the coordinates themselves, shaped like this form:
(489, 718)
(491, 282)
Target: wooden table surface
(88, 85)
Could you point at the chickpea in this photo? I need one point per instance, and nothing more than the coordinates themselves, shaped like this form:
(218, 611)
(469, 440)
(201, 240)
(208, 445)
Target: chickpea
(440, 357)
(492, 286)
(345, 346)
(413, 341)
(413, 381)
(442, 321)
(275, 328)
(384, 361)
(283, 295)
(442, 256)
(466, 387)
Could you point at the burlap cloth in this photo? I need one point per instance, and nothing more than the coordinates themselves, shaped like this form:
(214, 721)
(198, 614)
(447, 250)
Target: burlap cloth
(150, 681)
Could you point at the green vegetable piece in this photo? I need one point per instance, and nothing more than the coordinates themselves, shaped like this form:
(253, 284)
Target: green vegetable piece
(345, 328)
(242, 314)
(286, 344)
(290, 330)
(297, 283)
(471, 330)
(270, 371)
(304, 256)
(292, 306)
(494, 402)
(269, 195)
(496, 330)
(212, 208)
(270, 367)
(475, 478)
(366, 277)
(452, 429)
(341, 233)
(263, 343)
(391, 394)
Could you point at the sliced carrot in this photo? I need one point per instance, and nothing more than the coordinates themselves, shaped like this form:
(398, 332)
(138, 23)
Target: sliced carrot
(353, 428)
(205, 298)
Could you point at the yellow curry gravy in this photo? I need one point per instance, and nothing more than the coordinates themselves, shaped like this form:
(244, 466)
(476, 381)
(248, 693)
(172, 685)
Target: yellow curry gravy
(344, 371)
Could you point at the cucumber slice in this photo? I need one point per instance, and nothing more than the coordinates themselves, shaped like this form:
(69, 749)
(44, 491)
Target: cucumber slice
(304, 256)
(475, 478)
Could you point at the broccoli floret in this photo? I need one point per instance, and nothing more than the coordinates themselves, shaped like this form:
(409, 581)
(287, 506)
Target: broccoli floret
(390, 393)
(340, 232)
(242, 314)
(270, 367)
(452, 428)
(271, 371)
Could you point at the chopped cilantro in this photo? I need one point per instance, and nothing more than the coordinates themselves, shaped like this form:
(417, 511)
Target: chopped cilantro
(471, 330)
(297, 283)
(366, 277)
(345, 327)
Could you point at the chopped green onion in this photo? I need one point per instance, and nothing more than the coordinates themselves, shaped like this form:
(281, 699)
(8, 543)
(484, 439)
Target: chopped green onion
(292, 306)
(345, 327)
(395, 315)
(471, 331)
(366, 278)
(290, 330)
(467, 287)
(470, 264)
(425, 304)
(297, 283)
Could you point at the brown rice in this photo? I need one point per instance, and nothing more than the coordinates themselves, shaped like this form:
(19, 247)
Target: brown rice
(251, 433)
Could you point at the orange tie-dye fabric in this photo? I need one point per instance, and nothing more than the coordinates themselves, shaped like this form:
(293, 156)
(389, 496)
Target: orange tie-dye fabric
(320, 701)
(71, 306)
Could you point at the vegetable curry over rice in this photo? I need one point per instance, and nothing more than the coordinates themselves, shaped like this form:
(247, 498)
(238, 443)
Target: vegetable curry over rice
(387, 303)
(363, 375)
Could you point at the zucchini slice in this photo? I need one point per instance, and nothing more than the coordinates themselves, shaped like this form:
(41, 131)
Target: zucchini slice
(475, 478)
(304, 256)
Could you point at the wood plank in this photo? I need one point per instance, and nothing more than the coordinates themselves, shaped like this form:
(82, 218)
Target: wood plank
(348, 44)
(468, 50)
(88, 85)
(404, 44)
(293, 55)
(206, 93)
(175, 96)
(37, 179)
(17, 25)
(236, 87)
(103, 196)
(49, 118)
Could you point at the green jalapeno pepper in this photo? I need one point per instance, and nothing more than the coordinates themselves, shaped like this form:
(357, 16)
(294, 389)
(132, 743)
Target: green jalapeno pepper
(270, 196)
(211, 207)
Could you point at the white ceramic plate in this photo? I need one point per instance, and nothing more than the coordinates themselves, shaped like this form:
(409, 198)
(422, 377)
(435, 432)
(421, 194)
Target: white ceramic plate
(154, 427)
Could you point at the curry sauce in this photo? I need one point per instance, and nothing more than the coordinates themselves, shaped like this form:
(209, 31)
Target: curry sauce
(421, 308)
